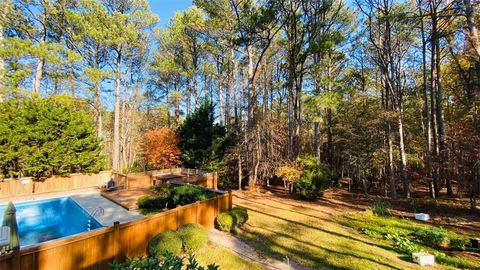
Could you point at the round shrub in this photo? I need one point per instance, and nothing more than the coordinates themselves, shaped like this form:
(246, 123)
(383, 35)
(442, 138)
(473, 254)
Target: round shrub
(312, 183)
(165, 241)
(241, 214)
(226, 222)
(194, 236)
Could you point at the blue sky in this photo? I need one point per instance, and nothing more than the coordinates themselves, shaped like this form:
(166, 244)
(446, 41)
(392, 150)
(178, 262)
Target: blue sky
(166, 8)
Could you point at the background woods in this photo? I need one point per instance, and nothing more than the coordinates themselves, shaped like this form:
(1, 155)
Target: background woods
(383, 95)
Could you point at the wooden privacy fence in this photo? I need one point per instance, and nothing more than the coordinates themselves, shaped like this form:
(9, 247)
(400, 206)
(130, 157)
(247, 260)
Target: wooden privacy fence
(95, 249)
(10, 188)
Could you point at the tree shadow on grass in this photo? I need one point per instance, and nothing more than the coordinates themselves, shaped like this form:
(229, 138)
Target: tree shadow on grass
(349, 237)
(290, 210)
(267, 246)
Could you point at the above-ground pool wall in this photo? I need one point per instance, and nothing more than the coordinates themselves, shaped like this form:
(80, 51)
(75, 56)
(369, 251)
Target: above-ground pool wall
(95, 249)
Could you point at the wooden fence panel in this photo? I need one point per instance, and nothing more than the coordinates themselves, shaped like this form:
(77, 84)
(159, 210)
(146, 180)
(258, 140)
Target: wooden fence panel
(15, 188)
(187, 214)
(223, 203)
(12, 187)
(206, 212)
(139, 181)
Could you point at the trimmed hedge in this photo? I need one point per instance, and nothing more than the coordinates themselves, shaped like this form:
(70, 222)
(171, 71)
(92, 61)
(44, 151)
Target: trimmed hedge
(187, 194)
(152, 202)
(194, 236)
(241, 214)
(165, 241)
(226, 222)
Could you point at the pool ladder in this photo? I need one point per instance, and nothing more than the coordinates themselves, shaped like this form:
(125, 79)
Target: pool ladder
(97, 211)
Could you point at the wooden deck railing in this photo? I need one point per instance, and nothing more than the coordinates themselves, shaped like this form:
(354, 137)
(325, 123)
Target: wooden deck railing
(193, 176)
(95, 249)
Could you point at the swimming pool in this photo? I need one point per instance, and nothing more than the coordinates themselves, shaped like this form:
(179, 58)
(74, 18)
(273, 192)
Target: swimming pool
(44, 220)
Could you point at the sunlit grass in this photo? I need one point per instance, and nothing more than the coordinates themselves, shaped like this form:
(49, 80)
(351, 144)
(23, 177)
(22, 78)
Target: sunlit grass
(313, 238)
(224, 258)
(377, 227)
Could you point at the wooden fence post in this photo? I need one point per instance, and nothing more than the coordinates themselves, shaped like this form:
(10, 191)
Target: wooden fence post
(215, 180)
(217, 205)
(116, 233)
(16, 259)
(197, 203)
(230, 200)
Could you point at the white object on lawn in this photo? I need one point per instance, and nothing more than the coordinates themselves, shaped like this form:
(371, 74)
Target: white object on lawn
(4, 236)
(422, 217)
(423, 259)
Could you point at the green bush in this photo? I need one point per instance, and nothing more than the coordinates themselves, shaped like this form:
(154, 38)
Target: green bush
(312, 183)
(226, 222)
(459, 243)
(241, 214)
(162, 190)
(151, 202)
(403, 244)
(166, 241)
(194, 236)
(381, 208)
(435, 238)
(41, 137)
(187, 194)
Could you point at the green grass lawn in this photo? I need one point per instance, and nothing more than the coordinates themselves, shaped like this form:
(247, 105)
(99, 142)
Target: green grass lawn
(309, 234)
(401, 234)
(224, 258)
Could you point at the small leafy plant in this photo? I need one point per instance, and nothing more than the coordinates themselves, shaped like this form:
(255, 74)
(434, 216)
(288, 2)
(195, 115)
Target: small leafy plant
(168, 261)
(435, 238)
(381, 208)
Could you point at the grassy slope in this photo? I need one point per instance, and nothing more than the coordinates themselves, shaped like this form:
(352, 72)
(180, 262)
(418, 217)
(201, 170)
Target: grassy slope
(224, 258)
(311, 236)
(378, 227)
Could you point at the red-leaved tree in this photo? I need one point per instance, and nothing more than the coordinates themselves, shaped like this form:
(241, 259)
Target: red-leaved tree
(161, 148)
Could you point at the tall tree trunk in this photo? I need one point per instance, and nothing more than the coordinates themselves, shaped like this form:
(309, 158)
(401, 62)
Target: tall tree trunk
(433, 99)
(2, 61)
(98, 110)
(473, 35)
(38, 75)
(250, 121)
(316, 141)
(220, 99)
(329, 116)
(391, 170)
(440, 119)
(116, 119)
(41, 61)
(426, 113)
(240, 171)
(389, 140)
(403, 156)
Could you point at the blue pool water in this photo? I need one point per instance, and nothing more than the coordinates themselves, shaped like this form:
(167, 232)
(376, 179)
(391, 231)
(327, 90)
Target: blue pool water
(44, 220)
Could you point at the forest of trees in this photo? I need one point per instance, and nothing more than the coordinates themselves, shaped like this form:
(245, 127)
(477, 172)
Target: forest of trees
(385, 93)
